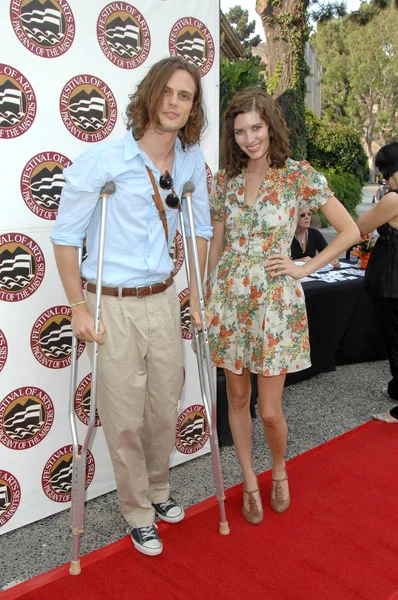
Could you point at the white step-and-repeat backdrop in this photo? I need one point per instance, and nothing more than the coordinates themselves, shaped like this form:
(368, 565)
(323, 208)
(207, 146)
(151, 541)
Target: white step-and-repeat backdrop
(66, 70)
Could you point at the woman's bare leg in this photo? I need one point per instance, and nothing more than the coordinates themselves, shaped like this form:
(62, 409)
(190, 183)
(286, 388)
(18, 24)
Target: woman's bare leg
(270, 390)
(238, 394)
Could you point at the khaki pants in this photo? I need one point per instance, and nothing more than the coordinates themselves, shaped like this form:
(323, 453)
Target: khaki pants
(140, 379)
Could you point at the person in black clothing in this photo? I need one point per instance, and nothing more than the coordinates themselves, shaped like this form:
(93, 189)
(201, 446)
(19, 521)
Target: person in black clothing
(381, 277)
(307, 241)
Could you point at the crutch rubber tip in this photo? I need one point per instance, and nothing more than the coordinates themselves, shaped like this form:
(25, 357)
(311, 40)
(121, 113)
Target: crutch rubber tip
(74, 567)
(224, 528)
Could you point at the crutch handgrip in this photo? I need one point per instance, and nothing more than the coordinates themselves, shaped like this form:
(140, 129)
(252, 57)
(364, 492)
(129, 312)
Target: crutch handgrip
(108, 189)
(188, 188)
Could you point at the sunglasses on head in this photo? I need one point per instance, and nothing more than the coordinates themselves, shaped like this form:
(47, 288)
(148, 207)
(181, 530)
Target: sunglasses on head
(166, 183)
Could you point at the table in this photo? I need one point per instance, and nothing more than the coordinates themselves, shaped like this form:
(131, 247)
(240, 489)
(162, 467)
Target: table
(343, 328)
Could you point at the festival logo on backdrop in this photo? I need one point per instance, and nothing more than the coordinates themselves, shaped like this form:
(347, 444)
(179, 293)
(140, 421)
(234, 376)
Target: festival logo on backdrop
(56, 478)
(177, 252)
(88, 108)
(185, 316)
(26, 417)
(209, 177)
(190, 39)
(42, 182)
(51, 338)
(10, 496)
(22, 267)
(82, 402)
(123, 35)
(3, 350)
(17, 103)
(45, 27)
(192, 431)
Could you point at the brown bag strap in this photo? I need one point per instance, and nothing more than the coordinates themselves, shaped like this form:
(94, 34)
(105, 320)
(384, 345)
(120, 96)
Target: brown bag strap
(159, 204)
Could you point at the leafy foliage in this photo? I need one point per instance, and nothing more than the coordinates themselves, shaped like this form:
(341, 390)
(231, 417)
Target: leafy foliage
(346, 188)
(337, 148)
(359, 59)
(325, 11)
(236, 76)
(239, 19)
(292, 105)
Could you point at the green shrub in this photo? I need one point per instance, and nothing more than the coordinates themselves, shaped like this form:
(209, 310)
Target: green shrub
(336, 147)
(346, 188)
(237, 76)
(292, 105)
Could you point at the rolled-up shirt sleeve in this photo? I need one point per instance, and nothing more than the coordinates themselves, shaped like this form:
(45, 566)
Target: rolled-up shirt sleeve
(83, 182)
(200, 200)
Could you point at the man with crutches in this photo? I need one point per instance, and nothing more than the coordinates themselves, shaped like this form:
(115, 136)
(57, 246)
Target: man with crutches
(140, 373)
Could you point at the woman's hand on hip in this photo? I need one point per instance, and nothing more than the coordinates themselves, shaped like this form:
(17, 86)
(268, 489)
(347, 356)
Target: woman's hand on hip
(279, 264)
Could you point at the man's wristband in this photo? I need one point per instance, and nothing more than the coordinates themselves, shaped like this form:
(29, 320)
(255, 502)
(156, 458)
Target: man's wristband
(77, 303)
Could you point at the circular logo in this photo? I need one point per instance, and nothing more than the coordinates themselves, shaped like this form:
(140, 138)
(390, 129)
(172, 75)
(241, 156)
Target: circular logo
(10, 496)
(190, 39)
(185, 316)
(26, 416)
(177, 252)
(192, 431)
(82, 402)
(22, 267)
(51, 338)
(17, 103)
(123, 35)
(88, 108)
(209, 177)
(45, 28)
(56, 478)
(3, 350)
(42, 182)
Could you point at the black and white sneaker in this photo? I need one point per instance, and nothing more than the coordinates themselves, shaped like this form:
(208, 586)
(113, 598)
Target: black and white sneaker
(169, 511)
(147, 540)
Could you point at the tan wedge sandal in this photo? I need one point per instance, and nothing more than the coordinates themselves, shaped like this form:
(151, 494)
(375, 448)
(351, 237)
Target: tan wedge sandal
(253, 515)
(278, 502)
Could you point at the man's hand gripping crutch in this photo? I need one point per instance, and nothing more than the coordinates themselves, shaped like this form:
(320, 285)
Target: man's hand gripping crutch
(90, 330)
(201, 320)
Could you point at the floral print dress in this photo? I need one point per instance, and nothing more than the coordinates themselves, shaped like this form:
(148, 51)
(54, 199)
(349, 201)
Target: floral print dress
(260, 322)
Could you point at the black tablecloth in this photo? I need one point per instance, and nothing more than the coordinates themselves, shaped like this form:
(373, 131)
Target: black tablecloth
(343, 328)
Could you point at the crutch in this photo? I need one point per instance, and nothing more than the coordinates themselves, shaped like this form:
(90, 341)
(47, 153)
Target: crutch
(201, 345)
(79, 456)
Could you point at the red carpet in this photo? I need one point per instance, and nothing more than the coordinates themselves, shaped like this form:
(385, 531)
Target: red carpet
(338, 541)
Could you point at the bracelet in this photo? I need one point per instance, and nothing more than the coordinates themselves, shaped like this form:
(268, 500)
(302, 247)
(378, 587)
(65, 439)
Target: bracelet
(77, 303)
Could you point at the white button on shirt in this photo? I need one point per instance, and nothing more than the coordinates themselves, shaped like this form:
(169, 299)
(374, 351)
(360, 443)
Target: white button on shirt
(135, 245)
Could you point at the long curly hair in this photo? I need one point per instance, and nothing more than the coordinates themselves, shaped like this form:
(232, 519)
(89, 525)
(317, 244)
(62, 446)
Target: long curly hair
(145, 103)
(233, 159)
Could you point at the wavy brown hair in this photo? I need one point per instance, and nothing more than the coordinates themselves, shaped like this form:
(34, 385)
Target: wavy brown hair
(146, 101)
(233, 159)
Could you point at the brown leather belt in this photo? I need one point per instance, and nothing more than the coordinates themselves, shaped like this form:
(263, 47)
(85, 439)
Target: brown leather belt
(141, 291)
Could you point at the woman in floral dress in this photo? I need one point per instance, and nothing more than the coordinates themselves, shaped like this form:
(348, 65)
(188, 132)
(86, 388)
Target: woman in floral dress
(253, 290)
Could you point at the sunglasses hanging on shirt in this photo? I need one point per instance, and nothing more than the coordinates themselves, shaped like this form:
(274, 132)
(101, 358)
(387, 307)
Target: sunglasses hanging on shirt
(166, 183)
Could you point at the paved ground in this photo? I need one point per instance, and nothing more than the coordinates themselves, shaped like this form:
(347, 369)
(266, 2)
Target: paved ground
(317, 410)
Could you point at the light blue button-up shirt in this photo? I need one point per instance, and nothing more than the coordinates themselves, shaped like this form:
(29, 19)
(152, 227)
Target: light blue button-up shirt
(135, 244)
